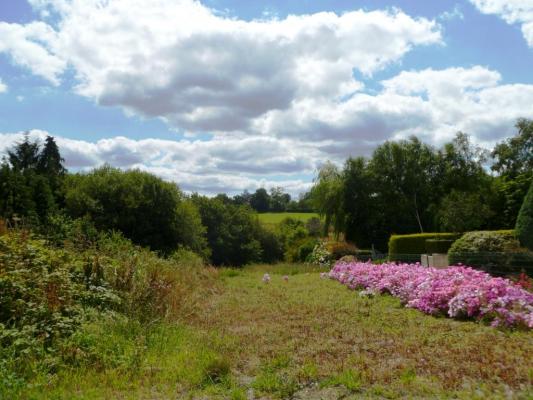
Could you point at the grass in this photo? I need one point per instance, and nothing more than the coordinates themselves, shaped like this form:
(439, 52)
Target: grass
(272, 219)
(278, 338)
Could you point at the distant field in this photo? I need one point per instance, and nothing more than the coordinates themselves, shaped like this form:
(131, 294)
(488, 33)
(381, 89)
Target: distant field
(276, 218)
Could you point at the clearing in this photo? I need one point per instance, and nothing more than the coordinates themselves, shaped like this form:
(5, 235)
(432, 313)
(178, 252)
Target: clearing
(310, 338)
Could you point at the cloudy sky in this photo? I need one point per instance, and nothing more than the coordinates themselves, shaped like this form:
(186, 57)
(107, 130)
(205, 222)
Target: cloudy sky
(227, 95)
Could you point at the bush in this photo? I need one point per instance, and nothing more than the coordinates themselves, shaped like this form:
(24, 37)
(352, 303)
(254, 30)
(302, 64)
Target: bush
(438, 246)
(300, 251)
(524, 222)
(341, 249)
(497, 252)
(401, 247)
(146, 209)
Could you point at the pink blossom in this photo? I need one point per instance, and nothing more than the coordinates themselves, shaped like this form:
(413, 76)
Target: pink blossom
(458, 291)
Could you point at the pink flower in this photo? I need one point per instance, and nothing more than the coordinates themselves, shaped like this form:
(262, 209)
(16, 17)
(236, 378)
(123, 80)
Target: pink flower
(457, 291)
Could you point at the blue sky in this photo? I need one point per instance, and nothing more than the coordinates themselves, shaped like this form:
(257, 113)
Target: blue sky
(222, 96)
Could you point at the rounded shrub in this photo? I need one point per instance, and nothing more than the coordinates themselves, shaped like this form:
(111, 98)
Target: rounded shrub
(524, 222)
(497, 252)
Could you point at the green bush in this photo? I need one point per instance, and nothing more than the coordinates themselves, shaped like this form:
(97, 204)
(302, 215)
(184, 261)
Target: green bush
(146, 209)
(438, 246)
(497, 252)
(409, 247)
(300, 251)
(341, 249)
(524, 222)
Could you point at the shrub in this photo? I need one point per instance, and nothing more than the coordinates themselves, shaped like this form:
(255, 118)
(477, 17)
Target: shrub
(300, 251)
(497, 252)
(146, 209)
(524, 222)
(320, 255)
(438, 246)
(401, 246)
(341, 249)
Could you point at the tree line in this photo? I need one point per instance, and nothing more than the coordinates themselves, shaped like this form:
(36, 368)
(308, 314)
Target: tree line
(37, 191)
(407, 186)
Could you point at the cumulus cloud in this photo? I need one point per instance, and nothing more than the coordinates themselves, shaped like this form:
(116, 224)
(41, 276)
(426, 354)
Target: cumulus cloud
(3, 86)
(31, 46)
(513, 12)
(432, 104)
(202, 71)
(221, 165)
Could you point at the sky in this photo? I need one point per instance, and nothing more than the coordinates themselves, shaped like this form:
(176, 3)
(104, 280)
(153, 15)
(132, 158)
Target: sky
(232, 95)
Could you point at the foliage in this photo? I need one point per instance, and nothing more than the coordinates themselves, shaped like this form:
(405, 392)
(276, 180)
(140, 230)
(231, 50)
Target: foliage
(461, 212)
(438, 246)
(524, 222)
(49, 297)
(497, 252)
(234, 234)
(260, 200)
(456, 291)
(327, 195)
(320, 255)
(31, 181)
(300, 250)
(515, 155)
(339, 249)
(414, 244)
(146, 209)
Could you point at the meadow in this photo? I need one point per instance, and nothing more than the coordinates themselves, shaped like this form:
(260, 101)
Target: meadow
(299, 336)
(273, 219)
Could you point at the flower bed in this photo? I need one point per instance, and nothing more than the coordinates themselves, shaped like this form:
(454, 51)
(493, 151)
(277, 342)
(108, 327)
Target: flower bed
(458, 291)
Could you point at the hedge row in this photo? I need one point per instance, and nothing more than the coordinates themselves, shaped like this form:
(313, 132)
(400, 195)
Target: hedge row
(401, 246)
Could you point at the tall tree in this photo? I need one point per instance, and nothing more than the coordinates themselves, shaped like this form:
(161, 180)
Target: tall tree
(327, 196)
(515, 155)
(260, 200)
(25, 155)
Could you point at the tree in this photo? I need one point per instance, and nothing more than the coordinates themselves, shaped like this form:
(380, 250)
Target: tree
(146, 209)
(49, 161)
(260, 200)
(25, 155)
(232, 232)
(524, 221)
(327, 195)
(515, 155)
(279, 200)
(462, 212)
(404, 174)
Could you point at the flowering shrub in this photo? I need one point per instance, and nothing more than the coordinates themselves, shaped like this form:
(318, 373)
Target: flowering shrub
(455, 291)
(320, 255)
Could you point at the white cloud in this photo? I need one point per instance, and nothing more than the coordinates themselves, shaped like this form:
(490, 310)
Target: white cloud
(202, 71)
(30, 46)
(511, 11)
(3, 86)
(221, 165)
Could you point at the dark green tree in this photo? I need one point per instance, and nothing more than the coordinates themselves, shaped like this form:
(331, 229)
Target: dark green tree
(146, 209)
(25, 155)
(524, 221)
(260, 200)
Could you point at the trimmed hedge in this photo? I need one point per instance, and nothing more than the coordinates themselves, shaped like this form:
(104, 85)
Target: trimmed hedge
(524, 221)
(408, 247)
(497, 252)
(438, 246)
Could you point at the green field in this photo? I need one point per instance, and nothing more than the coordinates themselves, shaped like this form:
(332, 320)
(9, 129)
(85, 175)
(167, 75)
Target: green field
(272, 219)
(304, 338)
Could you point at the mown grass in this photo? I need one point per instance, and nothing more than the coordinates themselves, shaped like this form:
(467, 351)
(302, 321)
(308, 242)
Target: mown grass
(310, 330)
(275, 339)
(273, 219)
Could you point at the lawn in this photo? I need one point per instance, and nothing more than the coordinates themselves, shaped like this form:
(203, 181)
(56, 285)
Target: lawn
(271, 219)
(301, 338)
